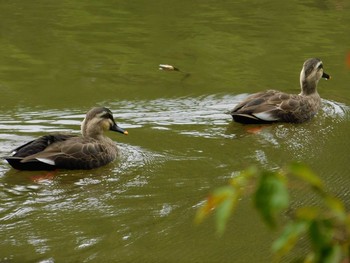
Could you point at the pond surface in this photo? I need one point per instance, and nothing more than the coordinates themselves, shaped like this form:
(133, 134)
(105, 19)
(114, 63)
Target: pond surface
(61, 58)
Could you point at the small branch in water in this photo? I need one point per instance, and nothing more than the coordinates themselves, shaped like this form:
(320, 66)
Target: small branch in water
(167, 67)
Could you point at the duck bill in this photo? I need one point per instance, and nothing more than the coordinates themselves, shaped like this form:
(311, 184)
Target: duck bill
(326, 76)
(116, 128)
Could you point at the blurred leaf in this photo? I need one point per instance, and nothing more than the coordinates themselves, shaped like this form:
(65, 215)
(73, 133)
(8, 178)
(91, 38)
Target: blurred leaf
(328, 226)
(321, 233)
(332, 254)
(310, 258)
(207, 208)
(336, 206)
(224, 200)
(289, 237)
(226, 208)
(305, 173)
(239, 181)
(271, 196)
(308, 213)
(329, 254)
(243, 178)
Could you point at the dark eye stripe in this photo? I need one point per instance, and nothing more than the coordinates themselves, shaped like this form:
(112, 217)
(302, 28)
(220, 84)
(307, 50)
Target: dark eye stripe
(320, 66)
(107, 115)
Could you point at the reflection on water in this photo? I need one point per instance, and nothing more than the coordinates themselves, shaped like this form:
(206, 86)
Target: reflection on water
(201, 116)
(208, 110)
(152, 190)
(180, 111)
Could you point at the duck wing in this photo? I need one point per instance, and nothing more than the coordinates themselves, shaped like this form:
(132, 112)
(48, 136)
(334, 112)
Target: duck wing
(34, 147)
(39, 144)
(266, 107)
(79, 154)
(73, 153)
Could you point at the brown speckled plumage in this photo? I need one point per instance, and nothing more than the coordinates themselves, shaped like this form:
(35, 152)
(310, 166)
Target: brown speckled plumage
(276, 106)
(63, 151)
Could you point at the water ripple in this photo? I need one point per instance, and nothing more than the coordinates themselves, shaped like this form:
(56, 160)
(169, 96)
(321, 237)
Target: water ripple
(157, 114)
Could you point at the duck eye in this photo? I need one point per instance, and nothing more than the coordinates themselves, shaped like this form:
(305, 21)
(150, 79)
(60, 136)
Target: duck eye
(107, 115)
(320, 66)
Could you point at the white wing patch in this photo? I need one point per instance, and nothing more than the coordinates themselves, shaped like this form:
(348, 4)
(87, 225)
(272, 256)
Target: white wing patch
(266, 116)
(47, 161)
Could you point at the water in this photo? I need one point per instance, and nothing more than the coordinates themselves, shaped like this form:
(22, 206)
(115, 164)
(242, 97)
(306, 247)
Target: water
(59, 59)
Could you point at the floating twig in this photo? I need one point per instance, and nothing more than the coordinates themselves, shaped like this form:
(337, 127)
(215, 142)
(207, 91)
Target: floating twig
(168, 67)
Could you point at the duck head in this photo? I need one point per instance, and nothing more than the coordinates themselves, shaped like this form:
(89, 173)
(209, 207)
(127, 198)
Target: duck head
(310, 74)
(97, 121)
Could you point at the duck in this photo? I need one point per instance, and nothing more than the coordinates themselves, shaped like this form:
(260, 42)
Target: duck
(67, 151)
(276, 106)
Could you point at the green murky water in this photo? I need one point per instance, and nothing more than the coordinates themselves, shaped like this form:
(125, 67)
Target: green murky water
(60, 58)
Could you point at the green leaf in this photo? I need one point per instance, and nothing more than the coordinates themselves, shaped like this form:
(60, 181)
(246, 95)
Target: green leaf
(223, 201)
(324, 249)
(332, 254)
(271, 196)
(336, 206)
(226, 208)
(212, 202)
(321, 233)
(289, 237)
(243, 178)
(306, 174)
(308, 213)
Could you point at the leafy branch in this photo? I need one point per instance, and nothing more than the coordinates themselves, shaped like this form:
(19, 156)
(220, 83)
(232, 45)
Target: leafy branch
(327, 226)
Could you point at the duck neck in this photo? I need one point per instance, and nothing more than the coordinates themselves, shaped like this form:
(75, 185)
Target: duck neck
(308, 88)
(93, 135)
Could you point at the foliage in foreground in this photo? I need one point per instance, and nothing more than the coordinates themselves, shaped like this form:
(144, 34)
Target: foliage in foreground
(326, 225)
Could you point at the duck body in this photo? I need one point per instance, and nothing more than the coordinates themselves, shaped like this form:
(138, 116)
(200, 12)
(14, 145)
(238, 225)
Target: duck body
(65, 151)
(276, 106)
